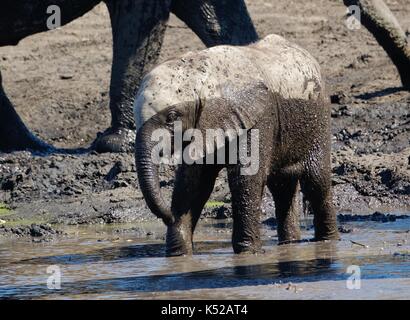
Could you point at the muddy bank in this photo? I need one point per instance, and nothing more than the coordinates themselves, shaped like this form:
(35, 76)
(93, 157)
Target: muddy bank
(96, 189)
(37, 233)
(59, 83)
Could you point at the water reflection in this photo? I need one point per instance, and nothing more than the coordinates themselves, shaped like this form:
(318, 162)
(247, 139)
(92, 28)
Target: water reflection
(115, 254)
(311, 270)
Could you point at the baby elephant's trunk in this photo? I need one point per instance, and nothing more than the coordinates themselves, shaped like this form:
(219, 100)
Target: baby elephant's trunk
(148, 174)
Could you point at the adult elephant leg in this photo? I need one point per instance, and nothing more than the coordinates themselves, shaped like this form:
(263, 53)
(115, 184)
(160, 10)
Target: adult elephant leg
(19, 19)
(193, 186)
(285, 191)
(138, 28)
(380, 21)
(14, 135)
(217, 21)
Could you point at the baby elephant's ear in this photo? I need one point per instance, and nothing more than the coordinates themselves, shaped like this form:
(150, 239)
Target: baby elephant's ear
(222, 118)
(236, 109)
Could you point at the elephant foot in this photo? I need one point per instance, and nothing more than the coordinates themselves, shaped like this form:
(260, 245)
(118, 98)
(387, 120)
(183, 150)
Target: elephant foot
(179, 243)
(173, 252)
(14, 135)
(177, 248)
(289, 234)
(247, 248)
(19, 139)
(283, 242)
(334, 235)
(115, 140)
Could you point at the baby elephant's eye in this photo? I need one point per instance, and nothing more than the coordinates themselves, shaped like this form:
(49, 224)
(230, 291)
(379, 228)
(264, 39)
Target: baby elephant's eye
(172, 116)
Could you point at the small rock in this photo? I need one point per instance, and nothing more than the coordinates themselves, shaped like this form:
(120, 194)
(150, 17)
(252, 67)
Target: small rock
(66, 76)
(35, 231)
(343, 229)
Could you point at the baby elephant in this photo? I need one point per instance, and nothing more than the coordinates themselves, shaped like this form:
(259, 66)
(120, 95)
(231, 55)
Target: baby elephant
(272, 88)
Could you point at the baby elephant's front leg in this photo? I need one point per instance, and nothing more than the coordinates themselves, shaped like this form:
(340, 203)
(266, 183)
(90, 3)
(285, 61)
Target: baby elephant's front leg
(246, 205)
(179, 236)
(193, 186)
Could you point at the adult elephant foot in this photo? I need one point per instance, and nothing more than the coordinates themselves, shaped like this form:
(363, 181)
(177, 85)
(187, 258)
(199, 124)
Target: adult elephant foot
(115, 140)
(14, 135)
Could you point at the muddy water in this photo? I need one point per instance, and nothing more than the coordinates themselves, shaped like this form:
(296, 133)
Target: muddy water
(96, 262)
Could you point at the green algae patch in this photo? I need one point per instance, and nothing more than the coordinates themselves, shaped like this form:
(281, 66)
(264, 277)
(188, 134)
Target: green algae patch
(9, 218)
(4, 210)
(214, 204)
(23, 222)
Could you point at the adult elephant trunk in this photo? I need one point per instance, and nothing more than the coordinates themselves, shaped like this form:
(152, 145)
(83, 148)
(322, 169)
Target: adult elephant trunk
(381, 22)
(217, 21)
(148, 174)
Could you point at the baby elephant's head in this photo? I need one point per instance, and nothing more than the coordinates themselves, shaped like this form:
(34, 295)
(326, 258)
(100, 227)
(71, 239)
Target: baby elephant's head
(163, 114)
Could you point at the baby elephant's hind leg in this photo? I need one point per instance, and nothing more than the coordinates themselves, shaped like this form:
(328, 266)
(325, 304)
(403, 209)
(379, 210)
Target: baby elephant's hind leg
(316, 186)
(285, 191)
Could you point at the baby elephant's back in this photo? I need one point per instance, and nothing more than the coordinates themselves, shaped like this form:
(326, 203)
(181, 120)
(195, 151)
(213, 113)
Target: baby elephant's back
(287, 69)
(282, 66)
